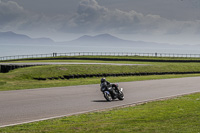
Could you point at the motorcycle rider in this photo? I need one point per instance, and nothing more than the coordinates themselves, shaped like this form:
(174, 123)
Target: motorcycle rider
(103, 80)
(107, 84)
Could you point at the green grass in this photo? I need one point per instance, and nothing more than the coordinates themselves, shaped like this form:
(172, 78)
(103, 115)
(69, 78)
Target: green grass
(10, 84)
(61, 70)
(178, 115)
(23, 78)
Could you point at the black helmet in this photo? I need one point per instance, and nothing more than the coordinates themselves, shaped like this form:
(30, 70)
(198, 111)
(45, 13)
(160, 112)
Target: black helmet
(103, 80)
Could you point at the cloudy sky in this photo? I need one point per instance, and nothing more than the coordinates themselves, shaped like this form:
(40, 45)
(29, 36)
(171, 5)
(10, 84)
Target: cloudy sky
(169, 21)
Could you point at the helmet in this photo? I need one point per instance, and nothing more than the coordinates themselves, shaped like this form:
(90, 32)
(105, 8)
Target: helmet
(103, 80)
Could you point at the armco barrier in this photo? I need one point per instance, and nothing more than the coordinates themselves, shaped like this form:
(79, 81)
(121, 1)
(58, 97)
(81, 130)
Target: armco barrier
(77, 76)
(18, 57)
(7, 68)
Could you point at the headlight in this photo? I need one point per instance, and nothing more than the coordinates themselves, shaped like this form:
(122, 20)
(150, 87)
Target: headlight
(103, 89)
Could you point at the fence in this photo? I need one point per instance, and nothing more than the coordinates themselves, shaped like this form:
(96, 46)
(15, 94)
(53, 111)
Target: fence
(16, 57)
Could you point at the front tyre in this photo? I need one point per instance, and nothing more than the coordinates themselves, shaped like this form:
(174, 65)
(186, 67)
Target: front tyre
(121, 95)
(107, 96)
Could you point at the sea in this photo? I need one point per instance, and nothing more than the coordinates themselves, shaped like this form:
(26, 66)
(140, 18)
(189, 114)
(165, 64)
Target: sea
(13, 49)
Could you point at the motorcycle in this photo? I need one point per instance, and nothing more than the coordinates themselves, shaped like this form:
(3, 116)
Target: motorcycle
(112, 92)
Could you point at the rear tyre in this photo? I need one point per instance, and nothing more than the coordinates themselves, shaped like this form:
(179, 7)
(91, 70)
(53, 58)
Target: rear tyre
(107, 96)
(121, 95)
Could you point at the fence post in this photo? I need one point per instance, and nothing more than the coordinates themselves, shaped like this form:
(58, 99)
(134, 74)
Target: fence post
(155, 54)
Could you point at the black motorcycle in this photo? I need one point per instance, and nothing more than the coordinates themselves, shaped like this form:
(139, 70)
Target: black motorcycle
(111, 91)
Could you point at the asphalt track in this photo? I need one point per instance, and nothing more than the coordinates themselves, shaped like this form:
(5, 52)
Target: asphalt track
(23, 106)
(68, 63)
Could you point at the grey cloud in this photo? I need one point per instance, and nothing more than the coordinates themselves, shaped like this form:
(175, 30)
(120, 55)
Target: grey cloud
(91, 17)
(94, 18)
(88, 16)
(10, 12)
(15, 18)
(181, 27)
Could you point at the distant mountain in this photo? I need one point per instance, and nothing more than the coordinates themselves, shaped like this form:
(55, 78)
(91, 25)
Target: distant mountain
(102, 38)
(13, 38)
(112, 41)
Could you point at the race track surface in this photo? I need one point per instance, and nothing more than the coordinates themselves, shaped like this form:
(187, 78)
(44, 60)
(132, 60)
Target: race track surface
(69, 63)
(23, 106)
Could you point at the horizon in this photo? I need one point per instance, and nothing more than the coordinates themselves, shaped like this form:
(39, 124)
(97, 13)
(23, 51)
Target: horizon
(97, 35)
(97, 43)
(105, 35)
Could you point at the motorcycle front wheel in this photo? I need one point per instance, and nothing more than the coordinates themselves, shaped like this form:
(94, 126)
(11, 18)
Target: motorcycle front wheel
(107, 96)
(121, 95)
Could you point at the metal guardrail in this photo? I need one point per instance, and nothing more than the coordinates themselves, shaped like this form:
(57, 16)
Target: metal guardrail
(15, 57)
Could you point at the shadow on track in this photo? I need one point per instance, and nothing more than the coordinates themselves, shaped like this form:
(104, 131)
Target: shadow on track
(99, 101)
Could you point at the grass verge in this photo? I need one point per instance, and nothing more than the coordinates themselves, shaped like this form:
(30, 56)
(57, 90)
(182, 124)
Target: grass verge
(181, 114)
(23, 78)
(61, 70)
(6, 85)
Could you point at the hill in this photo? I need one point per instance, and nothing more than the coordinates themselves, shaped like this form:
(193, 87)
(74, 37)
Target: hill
(13, 38)
(112, 41)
